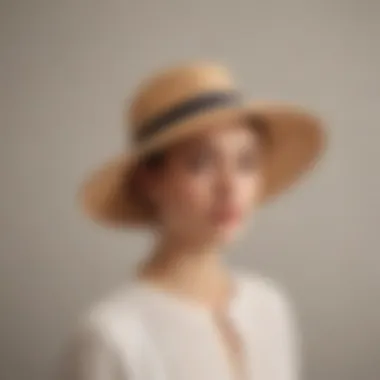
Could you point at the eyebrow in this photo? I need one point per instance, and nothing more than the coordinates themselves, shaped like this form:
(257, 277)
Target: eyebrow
(196, 142)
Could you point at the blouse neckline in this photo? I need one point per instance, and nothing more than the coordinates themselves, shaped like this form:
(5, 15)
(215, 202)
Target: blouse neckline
(148, 288)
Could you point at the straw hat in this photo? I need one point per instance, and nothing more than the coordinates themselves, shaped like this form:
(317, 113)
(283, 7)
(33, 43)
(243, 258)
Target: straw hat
(181, 101)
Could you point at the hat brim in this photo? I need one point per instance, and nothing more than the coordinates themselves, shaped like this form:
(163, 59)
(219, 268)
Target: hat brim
(297, 139)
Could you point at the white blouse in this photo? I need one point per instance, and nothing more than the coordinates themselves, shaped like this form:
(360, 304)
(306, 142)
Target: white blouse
(142, 333)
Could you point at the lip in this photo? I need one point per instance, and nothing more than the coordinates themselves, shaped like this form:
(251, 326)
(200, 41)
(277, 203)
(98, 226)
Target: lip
(227, 216)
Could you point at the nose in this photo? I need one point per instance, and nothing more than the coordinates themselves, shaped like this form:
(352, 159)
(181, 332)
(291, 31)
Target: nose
(225, 185)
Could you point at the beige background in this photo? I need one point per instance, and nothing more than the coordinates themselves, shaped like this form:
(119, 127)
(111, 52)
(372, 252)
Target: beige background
(67, 65)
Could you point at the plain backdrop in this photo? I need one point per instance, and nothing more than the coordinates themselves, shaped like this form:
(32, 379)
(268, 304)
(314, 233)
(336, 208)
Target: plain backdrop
(66, 69)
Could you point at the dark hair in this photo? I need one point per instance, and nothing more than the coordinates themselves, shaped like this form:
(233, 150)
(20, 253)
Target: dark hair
(132, 189)
(260, 126)
(154, 160)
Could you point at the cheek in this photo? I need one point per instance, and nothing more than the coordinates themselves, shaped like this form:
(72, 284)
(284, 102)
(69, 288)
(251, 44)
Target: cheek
(248, 190)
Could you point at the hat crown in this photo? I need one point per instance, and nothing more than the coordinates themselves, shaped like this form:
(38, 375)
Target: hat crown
(173, 86)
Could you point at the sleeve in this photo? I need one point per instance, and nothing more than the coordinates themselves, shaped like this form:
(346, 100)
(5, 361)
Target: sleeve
(89, 355)
(286, 339)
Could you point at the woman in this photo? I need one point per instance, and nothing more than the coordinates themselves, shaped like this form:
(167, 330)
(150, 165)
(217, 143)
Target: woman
(202, 159)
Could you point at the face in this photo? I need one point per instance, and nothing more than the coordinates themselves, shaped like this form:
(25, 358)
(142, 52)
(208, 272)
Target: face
(208, 184)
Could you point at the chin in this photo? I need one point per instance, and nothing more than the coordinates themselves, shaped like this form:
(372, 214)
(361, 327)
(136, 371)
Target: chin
(225, 234)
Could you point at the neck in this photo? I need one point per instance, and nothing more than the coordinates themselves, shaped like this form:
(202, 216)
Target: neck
(194, 271)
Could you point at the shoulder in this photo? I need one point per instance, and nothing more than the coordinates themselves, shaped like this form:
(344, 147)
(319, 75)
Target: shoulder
(106, 336)
(272, 312)
(266, 292)
(112, 320)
